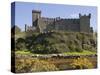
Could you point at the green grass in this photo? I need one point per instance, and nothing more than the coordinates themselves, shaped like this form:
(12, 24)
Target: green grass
(20, 35)
(67, 53)
(23, 52)
(81, 53)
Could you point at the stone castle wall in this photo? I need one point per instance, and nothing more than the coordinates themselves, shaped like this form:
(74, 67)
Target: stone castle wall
(43, 24)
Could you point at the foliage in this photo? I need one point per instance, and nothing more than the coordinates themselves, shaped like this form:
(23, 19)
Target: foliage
(81, 63)
(72, 48)
(23, 52)
(33, 65)
(88, 47)
(56, 42)
(78, 49)
(20, 44)
(85, 52)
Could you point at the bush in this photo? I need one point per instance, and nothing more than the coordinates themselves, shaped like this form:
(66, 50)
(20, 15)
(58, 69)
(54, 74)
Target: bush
(33, 65)
(40, 49)
(72, 48)
(56, 42)
(79, 36)
(20, 44)
(78, 49)
(81, 63)
(88, 47)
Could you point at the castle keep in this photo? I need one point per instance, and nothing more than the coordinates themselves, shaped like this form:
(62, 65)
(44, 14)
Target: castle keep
(43, 24)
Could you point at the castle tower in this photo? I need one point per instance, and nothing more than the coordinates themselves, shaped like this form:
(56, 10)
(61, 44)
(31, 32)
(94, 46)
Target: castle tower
(85, 23)
(36, 14)
(25, 27)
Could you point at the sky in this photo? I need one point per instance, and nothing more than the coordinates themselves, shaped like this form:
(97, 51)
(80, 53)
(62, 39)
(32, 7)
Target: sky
(23, 12)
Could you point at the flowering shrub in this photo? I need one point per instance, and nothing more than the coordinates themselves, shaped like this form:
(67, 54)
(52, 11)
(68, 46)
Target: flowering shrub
(33, 65)
(81, 63)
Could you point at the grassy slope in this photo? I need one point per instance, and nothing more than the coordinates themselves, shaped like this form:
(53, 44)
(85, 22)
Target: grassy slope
(62, 40)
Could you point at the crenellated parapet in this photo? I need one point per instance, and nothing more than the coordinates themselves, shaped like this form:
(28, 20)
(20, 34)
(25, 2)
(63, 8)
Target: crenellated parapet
(89, 15)
(43, 24)
(85, 23)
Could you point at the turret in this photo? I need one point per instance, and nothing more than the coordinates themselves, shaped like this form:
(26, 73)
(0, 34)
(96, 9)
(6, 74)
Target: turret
(36, 14)
(79, 15)
(85, 23)
(25, 27)
(89, 15)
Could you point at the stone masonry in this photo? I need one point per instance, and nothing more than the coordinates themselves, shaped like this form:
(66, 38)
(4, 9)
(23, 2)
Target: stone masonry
(43, 24)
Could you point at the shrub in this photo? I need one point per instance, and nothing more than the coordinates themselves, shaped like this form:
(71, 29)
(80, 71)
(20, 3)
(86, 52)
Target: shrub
(88, 47)
(72, 47)
(93, 42)
(39, 49)
(20, 44)
(33, 65)
(81, 63)
(78, 49)
(79, 36)
(85, 40)
(56, 42)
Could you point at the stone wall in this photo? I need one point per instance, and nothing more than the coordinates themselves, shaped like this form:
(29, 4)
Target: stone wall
(81, 24)
(85, 23)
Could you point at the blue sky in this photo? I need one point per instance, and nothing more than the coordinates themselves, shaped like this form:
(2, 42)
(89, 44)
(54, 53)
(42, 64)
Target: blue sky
(23, 12)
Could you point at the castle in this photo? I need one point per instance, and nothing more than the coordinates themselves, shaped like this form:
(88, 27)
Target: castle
(43, 24)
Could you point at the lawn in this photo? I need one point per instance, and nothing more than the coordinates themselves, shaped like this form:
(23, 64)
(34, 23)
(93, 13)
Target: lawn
(67, 53)
(81, 53)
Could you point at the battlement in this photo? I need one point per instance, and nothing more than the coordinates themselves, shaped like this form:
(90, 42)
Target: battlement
(36, 11)
(89, 15)
(46, 18)
(80, 24)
